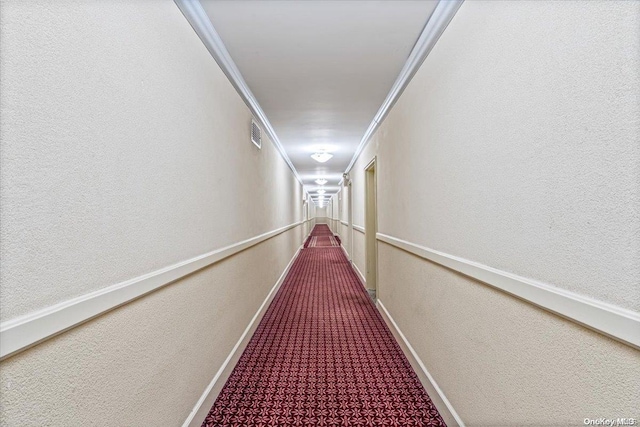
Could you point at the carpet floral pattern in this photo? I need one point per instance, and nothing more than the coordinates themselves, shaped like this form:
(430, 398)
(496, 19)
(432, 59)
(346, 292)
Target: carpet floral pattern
(322, 356)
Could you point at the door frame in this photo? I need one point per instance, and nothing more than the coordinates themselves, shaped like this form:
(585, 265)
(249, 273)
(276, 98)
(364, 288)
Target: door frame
(371, 226)
(350, 219)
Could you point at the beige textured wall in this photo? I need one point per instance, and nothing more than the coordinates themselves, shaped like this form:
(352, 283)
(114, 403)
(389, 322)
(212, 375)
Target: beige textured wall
(125, 149)
(321, 214)
(516, 145)
(120, 131)
(500, 360)
(531, 128)
(148, 362)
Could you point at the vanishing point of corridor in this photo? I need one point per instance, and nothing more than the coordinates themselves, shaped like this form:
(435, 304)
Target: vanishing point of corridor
(323, 356)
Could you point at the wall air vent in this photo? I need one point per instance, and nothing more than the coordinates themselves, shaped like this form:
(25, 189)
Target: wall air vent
(256, 134)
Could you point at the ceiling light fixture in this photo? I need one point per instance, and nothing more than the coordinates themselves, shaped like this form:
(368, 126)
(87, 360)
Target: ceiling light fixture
(321, 157)
(321, 191)
(321, 181)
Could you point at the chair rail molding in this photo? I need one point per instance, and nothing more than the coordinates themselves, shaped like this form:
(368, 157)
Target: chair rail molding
(25, 331)
(613, 321)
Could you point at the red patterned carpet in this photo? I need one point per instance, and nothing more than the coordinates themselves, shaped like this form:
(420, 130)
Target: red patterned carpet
(317, 241)
(322, 356)
(321, 230)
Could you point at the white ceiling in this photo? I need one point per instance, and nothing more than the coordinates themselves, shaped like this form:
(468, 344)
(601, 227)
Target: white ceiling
(319, 69)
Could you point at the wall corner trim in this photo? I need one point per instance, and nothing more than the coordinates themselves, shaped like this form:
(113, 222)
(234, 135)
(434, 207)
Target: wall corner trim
(436, 394)
(201, 24)
(208, 397)
(437, 23)
(25, 331)
(613, 321)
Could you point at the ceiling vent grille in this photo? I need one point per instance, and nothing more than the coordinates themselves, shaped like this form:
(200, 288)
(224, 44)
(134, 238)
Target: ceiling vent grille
(256, 134)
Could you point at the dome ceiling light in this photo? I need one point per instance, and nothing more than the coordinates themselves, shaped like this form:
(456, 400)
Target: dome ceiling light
(321, 181)
(321, 156)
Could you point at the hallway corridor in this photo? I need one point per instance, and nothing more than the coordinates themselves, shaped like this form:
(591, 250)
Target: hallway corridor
(345, 212)
(323, 356)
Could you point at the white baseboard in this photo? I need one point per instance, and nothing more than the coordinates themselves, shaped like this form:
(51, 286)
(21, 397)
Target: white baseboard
(437, 396)
(344, 250)
(210, 394)
(355, 267)
(360, 275)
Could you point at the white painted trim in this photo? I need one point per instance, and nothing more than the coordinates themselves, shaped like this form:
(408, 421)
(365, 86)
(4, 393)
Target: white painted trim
(371, 163)
(436, 394)
(354, 266)
(210, 394)
(359, 274)
(23, 332)
(358, 228)
(200, 22)
(345, 223)
(615, 322)
(437, 23)
(345, 251)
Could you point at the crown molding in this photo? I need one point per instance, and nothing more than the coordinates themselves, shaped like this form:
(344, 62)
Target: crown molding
(201, 24)
(437, 23)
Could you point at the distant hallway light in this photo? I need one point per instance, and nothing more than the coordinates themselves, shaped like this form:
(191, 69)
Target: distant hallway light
(321, 157)
(321, 181)
(321, 191)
